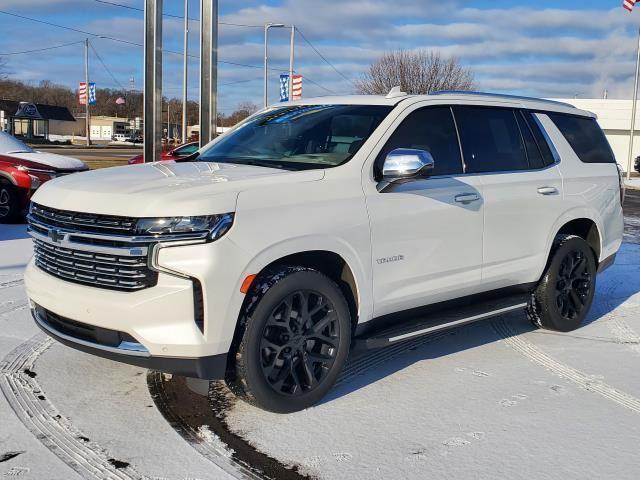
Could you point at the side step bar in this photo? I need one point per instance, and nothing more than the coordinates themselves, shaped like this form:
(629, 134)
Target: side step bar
(442, 320)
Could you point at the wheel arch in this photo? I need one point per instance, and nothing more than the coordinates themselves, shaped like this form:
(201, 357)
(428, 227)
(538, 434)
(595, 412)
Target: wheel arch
(338, 264)
(587, 229)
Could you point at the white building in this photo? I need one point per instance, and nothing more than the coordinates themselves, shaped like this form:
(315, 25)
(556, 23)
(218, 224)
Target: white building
(614, 117)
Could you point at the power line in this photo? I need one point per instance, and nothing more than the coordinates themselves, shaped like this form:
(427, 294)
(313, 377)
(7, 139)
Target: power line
(70, 28)
(323, 57)
(105, 66)
(114, 39)
(41, 49)
(106, 37)
(137, 9)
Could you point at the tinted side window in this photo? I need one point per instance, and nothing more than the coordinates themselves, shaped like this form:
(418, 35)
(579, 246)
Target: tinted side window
(541, 140)
(585, 137)
(491, 140)
(431, 129)
(533, 153)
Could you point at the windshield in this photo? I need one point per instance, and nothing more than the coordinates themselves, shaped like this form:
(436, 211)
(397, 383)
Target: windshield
(298, 137)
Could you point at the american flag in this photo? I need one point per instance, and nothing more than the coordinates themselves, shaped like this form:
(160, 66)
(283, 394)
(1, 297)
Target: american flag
(82, 93)
(296, 87)
(628, 4)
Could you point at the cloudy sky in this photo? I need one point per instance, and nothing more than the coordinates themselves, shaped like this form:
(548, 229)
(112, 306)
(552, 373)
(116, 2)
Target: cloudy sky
(529, 48)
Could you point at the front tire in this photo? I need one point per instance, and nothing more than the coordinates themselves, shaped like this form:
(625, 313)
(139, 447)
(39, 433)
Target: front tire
(9, 202)
(565, 293)
(296, 339)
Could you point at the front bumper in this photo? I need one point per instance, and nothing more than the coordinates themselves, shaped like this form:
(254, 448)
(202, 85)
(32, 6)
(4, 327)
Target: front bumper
(211, 367)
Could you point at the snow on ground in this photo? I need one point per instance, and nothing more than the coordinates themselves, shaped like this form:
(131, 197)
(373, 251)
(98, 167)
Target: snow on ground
(493, 400)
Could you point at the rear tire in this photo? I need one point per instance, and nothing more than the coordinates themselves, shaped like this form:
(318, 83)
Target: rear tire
(296, 339)
(9, 202)
(564, 295)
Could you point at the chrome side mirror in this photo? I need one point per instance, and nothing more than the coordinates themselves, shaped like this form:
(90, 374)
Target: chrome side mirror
(404, 163)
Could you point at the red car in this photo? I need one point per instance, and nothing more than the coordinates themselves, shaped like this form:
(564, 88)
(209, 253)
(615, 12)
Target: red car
(23, 170)
(175, 154)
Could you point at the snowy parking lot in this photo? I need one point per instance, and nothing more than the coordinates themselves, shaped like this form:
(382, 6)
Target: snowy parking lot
(497, 399)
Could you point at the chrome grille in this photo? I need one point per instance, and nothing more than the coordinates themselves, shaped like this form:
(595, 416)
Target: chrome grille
(87, 222)
(111, 271)
(97, 250)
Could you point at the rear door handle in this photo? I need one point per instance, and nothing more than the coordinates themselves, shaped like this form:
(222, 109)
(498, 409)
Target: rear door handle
(547, 190)
(467, 197)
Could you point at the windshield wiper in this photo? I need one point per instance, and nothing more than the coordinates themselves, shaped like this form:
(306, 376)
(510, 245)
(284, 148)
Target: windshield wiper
(249, 161)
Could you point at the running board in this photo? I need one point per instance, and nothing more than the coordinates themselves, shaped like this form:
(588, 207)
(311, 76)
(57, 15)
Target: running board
(442, 320)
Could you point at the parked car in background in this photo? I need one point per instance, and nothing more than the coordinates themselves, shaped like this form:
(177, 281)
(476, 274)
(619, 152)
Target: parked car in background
(324, 225)
(119, 137)
(23, 170)
(175, 154)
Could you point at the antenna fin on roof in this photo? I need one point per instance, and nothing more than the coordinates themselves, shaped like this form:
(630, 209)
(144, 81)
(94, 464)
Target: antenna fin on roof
(395, 92)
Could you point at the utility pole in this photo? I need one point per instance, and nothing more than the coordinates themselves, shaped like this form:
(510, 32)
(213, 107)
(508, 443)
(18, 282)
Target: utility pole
(87, 124)
(634, 106)
(291, 47)
(208, 70)
(184, 71)
(152, 80)
(267, 26)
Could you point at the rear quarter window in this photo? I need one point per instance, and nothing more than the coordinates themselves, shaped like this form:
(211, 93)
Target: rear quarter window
(585, 137)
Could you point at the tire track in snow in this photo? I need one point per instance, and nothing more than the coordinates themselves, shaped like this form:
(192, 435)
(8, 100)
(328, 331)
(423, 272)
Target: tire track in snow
(205, 442)
(26, 398)
(621, 331)
(533, 353)
(11, 283)
(365, 362)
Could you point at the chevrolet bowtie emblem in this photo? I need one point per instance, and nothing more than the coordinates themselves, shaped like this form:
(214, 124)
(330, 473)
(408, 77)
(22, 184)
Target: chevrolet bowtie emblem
(55, 235)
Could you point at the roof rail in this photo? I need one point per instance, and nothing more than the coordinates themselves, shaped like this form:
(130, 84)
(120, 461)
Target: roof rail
(500, 95)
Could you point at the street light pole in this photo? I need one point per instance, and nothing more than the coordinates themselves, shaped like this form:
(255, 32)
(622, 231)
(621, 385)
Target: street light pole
(634, 106)
(208, 70)
(87, 124)
(152, 101)
(184, 71)
(291, 50)
(267, 26)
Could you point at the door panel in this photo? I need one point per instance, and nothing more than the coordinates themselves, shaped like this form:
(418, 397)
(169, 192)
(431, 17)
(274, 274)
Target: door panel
(426, 246)
(521, 199)
(520, 211)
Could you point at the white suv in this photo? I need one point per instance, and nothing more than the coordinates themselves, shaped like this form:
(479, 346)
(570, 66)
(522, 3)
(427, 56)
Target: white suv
(320, 226)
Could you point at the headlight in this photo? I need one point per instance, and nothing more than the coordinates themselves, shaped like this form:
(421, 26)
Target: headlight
(214, 226)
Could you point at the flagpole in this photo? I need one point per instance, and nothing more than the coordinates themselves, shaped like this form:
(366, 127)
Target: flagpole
(634, 106)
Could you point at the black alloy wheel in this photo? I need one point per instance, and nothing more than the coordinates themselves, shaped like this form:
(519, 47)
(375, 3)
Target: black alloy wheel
(573, 284)
(9, 209)
(299, 342)
(564, 295)
(293, 339)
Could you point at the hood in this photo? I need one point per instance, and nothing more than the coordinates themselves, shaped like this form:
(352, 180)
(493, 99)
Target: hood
(163, 188)
(52, 160)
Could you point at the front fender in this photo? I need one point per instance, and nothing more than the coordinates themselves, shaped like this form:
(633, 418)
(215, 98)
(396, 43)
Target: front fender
(309, 243)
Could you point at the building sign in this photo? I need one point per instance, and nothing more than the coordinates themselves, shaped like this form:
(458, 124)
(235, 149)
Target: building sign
(82, 93)
(27, 110)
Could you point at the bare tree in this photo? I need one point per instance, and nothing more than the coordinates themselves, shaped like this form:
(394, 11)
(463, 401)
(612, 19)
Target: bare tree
(416, 72)
(243, 110)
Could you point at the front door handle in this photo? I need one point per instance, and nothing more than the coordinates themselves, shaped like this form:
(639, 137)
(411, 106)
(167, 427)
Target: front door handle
(467, 198)
(547, 190)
